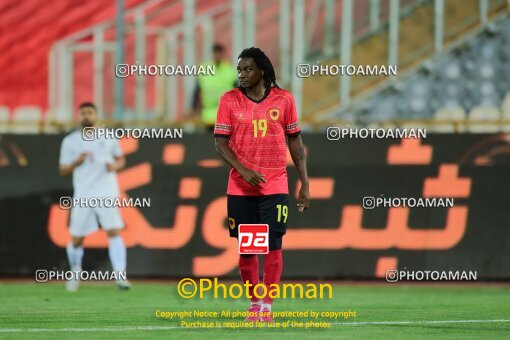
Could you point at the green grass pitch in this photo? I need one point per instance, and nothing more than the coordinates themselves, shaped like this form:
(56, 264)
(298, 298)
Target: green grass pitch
(387, 311)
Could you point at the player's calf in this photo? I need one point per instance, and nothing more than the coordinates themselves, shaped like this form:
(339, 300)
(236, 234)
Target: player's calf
(249, 271)
(273, 264)
(117, 252)
(74, 250)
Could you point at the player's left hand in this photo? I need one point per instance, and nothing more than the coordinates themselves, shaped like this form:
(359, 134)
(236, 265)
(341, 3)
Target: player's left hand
(110, 167)
(303, 199)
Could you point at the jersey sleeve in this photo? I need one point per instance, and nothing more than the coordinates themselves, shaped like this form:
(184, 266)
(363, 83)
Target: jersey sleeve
(291, 119)
(66, 153)
(223, 126)
(116, 151)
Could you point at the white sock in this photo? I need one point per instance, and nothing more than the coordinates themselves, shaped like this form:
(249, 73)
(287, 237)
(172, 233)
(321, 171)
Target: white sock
(266, 306)
(257, 303)
(74, 256)
(117, 251)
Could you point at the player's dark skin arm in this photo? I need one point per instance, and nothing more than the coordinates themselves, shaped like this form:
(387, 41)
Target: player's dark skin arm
(197, 100)
(119, 163)
(66, 170)
(249, 175)
(297, 152)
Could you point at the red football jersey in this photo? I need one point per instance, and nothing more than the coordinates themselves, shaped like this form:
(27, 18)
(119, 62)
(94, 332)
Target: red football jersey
(256, 131)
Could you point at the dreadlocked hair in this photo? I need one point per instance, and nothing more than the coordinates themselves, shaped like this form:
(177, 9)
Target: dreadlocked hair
(263, 63)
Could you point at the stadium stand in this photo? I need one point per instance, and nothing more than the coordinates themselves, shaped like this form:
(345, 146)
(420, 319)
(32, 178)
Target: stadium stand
(484, 114)
(64, 19)
(25, 49)
(26, 119)
(449, 119)
(4, 119)
(473, 77)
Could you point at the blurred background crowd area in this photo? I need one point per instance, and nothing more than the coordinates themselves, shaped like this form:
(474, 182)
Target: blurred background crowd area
(453, 59)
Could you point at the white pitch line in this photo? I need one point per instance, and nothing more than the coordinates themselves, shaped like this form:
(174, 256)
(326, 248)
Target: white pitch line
(158, 328)
(129, 328)
(414, 322)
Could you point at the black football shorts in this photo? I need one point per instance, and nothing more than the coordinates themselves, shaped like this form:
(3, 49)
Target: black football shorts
(270, 209)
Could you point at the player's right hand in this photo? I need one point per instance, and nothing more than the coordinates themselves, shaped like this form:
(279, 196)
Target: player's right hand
(253, 177)
(80, 159)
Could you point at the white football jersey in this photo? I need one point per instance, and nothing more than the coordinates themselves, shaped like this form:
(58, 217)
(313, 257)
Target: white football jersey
(91, 178)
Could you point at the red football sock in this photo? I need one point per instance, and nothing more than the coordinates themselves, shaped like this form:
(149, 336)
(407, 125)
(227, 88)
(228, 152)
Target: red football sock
(273, 264)
(249, 270)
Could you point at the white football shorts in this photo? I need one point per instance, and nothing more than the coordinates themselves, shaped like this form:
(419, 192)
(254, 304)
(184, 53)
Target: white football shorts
(86, 220)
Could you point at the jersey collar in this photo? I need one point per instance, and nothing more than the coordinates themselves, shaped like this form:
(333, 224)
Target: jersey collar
(268, 91)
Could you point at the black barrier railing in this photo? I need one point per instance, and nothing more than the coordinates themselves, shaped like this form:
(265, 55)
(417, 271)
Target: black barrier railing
(184, 232)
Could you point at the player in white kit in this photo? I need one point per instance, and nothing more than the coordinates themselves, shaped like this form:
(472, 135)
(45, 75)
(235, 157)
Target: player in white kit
(93, 164)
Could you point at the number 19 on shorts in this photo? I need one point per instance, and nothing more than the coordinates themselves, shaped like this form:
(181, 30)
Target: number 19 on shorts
(283, 212)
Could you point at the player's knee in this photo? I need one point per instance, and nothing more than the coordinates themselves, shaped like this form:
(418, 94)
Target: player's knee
(77, 241)
(113, 232)
(275, 241)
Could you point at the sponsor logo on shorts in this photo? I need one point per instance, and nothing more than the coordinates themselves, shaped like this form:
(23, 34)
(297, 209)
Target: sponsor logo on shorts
(253, 239)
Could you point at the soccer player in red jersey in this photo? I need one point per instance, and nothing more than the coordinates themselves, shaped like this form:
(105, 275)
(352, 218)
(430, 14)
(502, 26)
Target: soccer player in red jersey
(252, 124)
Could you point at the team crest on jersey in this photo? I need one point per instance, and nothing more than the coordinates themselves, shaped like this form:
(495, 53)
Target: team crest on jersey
(241, 115)
(274, 113)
